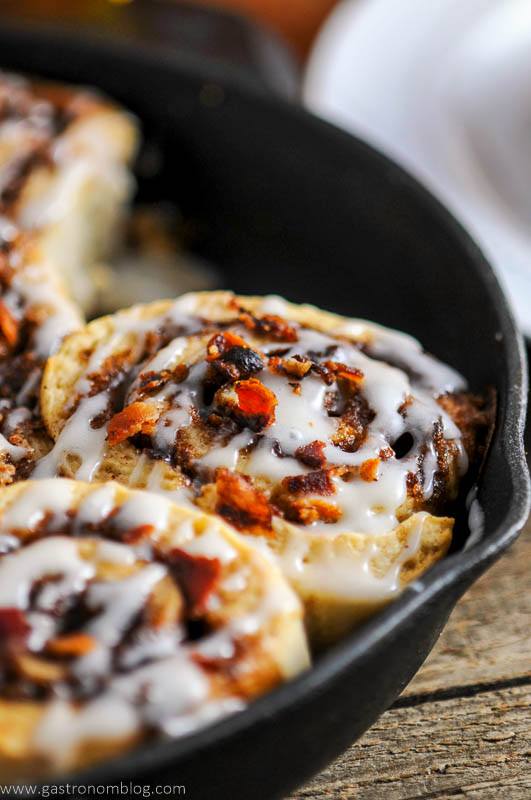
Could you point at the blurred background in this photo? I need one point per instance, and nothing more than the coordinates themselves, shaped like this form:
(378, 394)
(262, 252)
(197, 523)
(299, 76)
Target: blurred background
(443, 86)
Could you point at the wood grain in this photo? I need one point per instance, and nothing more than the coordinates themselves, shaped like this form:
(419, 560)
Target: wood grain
(462, 728)
(488, 637)
(478, 749)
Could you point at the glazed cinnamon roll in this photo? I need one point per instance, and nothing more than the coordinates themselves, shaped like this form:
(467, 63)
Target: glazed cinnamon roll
(63, 184)
(64, 156)
(336, 445)
(124, 617)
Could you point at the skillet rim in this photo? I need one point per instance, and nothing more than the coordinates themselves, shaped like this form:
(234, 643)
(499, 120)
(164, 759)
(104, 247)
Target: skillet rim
(461, 568)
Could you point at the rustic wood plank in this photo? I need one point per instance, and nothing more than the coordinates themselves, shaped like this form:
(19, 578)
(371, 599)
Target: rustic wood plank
(477, 748)
(488, 637)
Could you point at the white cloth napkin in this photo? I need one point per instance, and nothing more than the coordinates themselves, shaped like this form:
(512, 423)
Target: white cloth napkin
(444, 87)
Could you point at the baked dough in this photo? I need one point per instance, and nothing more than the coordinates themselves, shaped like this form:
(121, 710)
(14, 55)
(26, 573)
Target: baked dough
(323, 439)
(64, 172)
(64, 181)
(123, 616)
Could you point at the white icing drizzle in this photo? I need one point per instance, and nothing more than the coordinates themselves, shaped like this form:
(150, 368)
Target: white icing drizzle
(13, 450)
(151, 509)
(348, 578)
(52, 556)
(402, 401)
(119, 602)
(39, 499)
(51, 234)
(36, 288)
(80, 439)
(152, 679)
(97, 505)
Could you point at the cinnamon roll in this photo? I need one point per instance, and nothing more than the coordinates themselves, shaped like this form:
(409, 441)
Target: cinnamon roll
(124, 617)
(64, 156)
(334, 444)
(63, 183)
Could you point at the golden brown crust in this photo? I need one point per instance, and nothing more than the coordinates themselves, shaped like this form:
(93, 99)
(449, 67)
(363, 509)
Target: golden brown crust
(242, 500)
(201, 587)
(66, 183)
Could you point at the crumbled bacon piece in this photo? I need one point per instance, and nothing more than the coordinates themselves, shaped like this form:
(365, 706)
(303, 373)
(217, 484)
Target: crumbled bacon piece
(220, 343)
(312, 454)
(110, 373)
(354, 424)
(386, 453)
(230, 359)
(135, 535)
(13, 624)
(369, 470)
(269, 326)
(9, 326)
(241, 504)
(308, 511)
(414, 486)
(318, 482)
(331, 371)
(256, 401)
(152, 382)
(295, 366)
(196, 576)
(249, 402)
(138, 417)
(235, 364)
(71, 645)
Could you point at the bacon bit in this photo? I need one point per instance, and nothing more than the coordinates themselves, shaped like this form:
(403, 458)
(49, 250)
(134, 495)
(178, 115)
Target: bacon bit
(110, 373)
(241, 504)
(138, 417)
(135, 535)
(305, 512)
(257, 401)
(333, 403)
(151, 382)
(414, 486)
(73, 645)
(196, 576)
(9, 326)
(295, 366)
(369, 470)
(386, 453)
(312, 454)
(221, 342)
(340, 370)
(13, 623)
(269, 326)
(354, 423)
(318, 482)
(250, 402)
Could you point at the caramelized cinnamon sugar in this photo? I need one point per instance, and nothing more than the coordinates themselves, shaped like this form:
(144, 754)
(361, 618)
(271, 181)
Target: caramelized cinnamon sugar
(245, 507)
(293, 415)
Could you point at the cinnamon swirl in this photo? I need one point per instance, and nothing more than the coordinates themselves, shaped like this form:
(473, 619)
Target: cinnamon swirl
(63, 183)
(335, 444)
(124, 617)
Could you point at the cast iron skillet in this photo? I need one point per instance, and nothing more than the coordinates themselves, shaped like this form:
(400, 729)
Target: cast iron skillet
(285, 203)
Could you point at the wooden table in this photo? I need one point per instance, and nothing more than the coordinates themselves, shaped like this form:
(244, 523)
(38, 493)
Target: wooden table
(462, 728)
